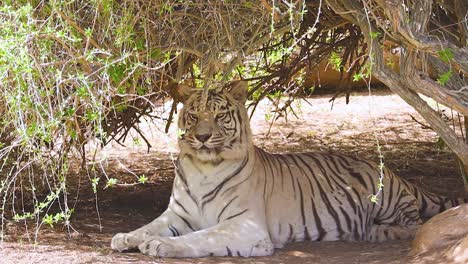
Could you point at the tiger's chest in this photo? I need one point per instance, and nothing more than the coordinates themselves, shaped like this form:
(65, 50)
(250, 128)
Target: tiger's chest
(212, 189)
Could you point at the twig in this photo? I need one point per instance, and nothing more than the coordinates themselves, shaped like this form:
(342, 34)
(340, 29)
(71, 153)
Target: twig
(420, 123)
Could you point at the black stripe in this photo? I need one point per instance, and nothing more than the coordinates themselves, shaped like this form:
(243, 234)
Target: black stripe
(273, 168)
(356, 231)
(364, 224)
(235, 185)
(290, 236)
(359, 177)
(318, 222)
(342, 159)
(265, 170)
(350, 199)
(180, 174)
(325, 199)
(239, 118)
(180, 205)
(347, 220)
(176, 230)
(296, 159)
(442, 204)
(342, 184)
(236, 215)
(383, 196)
(213, 193)
(224, 208)
(185, 221)
(305, 174)
(386, 205)
(331, 211)
(269, 165)
(284, 159)
(331, 165)
(306, 233)
(172, 231)
(322, 169)
(281, 175)
(359, 160)
(372, 179)
(394, 203)
(301, 197)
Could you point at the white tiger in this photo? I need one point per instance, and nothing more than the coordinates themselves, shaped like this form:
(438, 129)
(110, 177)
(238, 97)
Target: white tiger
(231, 198)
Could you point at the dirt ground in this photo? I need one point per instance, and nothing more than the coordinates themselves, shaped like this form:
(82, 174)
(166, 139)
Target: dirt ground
(357, 128)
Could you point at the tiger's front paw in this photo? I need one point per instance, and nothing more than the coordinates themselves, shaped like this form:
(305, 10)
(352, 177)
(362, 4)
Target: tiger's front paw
(162, 247)
(125, 241)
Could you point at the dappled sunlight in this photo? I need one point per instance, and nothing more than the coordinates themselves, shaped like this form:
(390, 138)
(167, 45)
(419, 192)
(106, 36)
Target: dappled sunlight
(409, 150)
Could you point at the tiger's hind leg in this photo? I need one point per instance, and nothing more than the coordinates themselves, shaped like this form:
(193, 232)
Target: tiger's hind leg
(397, 218)
(383, 232)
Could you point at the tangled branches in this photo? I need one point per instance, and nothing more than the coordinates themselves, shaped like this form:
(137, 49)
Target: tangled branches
(74, 71)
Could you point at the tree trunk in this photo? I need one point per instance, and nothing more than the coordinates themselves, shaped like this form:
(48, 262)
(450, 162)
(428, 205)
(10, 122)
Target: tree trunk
(464, 167)
(409, 82)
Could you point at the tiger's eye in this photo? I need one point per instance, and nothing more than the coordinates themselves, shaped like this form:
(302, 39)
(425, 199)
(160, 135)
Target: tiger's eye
(221, 116)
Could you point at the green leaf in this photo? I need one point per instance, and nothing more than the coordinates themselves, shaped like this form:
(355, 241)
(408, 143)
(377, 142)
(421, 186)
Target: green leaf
(88, 32)
(180, 133)
(335, 60)
(120, 108)
(58, 217)
(374, 198)
(380, 185)
(358, 77)
(94, 183)
(444, 77)
(141, 90)
(445, 55)
(137, 141)
(18, 217)
(117, 72)
(82, 92)
(111, 182)
(374, 35)
(122, 90)
(69, 111)
(142, 179)
(275, 95)
(91, 116)
(48, 219)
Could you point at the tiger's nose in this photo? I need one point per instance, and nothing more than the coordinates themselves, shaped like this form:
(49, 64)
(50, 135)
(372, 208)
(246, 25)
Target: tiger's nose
(203, 138)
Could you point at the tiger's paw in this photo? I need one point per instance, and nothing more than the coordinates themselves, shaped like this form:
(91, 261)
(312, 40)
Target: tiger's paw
(162, 247)
(125, 241)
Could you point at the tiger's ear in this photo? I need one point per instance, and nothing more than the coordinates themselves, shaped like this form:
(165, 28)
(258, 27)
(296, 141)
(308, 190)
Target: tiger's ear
(181, 92)
(238, 90)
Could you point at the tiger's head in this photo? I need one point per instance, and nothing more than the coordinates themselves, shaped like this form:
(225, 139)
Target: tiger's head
(215, 127)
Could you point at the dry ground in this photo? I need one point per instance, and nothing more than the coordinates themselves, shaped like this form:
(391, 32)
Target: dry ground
(408, 149)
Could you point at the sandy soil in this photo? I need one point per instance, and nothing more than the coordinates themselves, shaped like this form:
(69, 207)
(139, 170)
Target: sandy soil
(408, 149)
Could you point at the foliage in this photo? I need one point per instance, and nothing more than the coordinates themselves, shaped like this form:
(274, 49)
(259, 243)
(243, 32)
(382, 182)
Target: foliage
(75, 71)
(444, 77)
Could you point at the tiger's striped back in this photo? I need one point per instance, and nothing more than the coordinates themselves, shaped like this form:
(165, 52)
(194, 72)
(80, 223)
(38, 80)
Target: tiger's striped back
(324, 196)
